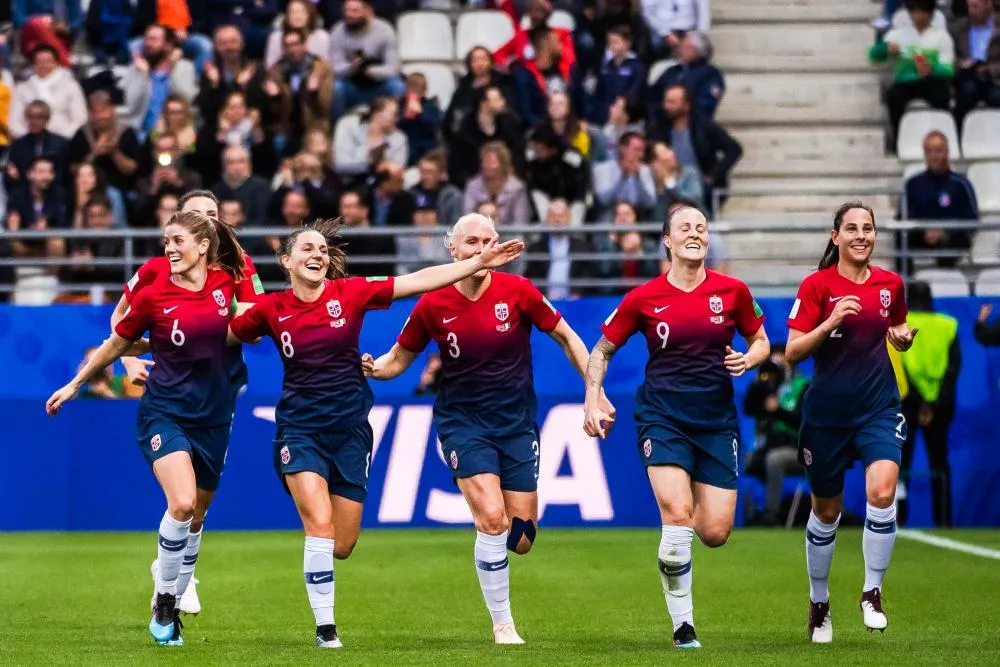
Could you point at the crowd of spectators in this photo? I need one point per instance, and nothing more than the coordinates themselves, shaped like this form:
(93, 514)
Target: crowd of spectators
(295, 110)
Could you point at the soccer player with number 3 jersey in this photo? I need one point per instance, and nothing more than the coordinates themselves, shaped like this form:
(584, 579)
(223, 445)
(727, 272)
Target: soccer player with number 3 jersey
(688, 431)
(186, 411)
(323, 446)
(485, 411)
(841, 317)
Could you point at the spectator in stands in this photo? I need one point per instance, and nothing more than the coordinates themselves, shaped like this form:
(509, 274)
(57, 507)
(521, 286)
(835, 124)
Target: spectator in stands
(626, 115)
(987, 332)
(37, 141)
(417, 252)
(695, 72)
(169, 174)
(354, 212)
(89, 183)
(625, 179)
(107, 385)
(622, 75)
(109, 25)
(39, 206)
(52, 22)
(359, 148)
(299, 15)
(319, 144)
(697, 141)
(496, 182)
(672, 180)
(556, 171)
(305, 91)
(626, 13)
(559, 247)
(229, 72)
(433, 187)
(492, 122)
(177, 119)
(639, 264)
(98, 215)
(420, 119)
(175, 17)
(154, 74)
(977, 51)
(53, 85)
(253, 19)
(939, 194)
(564, 122)
(111, 146)
(240, 183)
(774, 400)
(237, 125)
(307, 177)
(480, 72)
(670, 22)
(923, 58)
(365, 58)
(389, 204)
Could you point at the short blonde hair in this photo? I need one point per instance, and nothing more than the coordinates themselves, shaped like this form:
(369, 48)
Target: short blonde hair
(464, 221)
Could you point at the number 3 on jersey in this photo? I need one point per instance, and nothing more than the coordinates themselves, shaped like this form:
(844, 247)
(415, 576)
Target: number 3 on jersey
(286, 345)
(453, 349)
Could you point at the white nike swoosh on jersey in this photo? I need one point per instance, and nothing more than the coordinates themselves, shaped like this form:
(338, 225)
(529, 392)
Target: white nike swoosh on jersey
(449, 319)
(282, 319)
(834, 299)
(167, 311)
(660, 309)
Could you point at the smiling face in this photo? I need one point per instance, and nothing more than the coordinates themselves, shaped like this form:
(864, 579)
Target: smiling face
(856, 237)
(470, 235)
(308, 260)
(687, 236)
(182, 249)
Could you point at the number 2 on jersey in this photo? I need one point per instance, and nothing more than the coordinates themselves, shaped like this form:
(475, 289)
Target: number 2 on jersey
(663, 332)
(453, 349)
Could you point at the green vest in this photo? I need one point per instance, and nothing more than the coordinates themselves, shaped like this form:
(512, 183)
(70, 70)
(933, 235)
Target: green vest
(927, 361)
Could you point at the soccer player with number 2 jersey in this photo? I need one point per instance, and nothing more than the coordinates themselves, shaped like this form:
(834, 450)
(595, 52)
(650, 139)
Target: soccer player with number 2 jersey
(323, 446)
(841, 317)
(688, 431)
(485, 412)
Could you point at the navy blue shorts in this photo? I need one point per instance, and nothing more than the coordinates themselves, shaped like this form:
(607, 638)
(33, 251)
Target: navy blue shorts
(159, 435)
(514, 459)
(341, 457)
(828, 453)
(709, 456)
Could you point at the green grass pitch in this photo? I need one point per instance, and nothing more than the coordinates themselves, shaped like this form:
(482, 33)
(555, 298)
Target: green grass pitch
(582, 597)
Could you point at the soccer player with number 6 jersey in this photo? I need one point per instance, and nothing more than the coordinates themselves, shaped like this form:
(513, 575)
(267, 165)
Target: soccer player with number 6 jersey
(323, 446)
(841, 317)
(688, 431)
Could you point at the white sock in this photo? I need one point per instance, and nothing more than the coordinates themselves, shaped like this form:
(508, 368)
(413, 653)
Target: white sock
(171, 544)
(821, 538)
(877, 542)
(494, 575)
(675, 573)
(317, 563)
(188, 563)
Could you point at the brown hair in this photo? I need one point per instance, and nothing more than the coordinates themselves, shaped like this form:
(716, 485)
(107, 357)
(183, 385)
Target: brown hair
(224, 249)
(192, 194)
(499, 149)
(330, 229)
(831, 255)
(436, 156)
(311, 23)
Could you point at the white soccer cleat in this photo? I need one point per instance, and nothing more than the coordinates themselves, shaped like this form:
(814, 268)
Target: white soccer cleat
(820, 623)
(190, 604)
(506, 634)
(871, 610)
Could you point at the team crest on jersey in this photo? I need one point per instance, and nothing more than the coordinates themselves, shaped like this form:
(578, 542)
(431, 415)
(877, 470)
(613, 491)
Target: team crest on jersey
(333, 307)
(647, 448)
(502, 311)
(286, 455)
(220, 298)
(884, 297)
(453, 457)
(807, 457)
(155, 442)
(715, 304)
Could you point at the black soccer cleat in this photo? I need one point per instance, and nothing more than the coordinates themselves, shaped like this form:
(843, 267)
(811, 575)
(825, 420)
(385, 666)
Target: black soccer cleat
(326, 637)
(161, 626)
(820, 623)
(685, 637)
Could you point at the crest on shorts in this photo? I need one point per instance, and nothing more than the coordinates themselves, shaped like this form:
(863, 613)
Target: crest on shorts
(155, 442)
(220, 298)
(715, 304)
(807, 457)
(333, 307)
(502, 311)
(286, 455)
(884, 297)
(453, 457)
(647, 448)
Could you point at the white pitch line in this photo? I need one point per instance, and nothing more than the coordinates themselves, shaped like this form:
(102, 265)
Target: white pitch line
(945, 543)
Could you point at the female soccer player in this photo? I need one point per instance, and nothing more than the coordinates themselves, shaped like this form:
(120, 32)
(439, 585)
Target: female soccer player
(842, 315)
(186, 411)
(686, 419)
(485, 409)
(323, 446)
(247, 291)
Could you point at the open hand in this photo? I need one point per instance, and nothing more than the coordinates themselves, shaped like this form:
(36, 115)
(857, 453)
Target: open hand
(496, 254)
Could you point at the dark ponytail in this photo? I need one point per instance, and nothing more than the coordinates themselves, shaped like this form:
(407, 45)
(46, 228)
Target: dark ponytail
(831, 255)
(230, 257)
(330, 229)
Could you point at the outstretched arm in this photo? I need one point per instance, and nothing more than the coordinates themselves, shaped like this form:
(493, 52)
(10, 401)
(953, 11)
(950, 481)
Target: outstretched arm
(390, 365)
(494, 255)
(597, 422)
(110, 350)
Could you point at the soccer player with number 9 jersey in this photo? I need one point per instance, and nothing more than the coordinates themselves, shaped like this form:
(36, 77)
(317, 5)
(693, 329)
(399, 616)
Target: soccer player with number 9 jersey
(688, 431)
(841, 317)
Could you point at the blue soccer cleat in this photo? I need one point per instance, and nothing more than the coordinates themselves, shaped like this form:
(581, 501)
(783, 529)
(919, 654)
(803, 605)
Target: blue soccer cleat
(685, 637)
(176, 639)
(162, 625)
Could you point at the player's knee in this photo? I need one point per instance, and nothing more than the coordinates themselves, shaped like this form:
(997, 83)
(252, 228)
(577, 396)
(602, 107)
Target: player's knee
(343, 548)
(828, 514)
(181, 507)
(492, 521)
(677, 515)
(881, 494)
(714, 536)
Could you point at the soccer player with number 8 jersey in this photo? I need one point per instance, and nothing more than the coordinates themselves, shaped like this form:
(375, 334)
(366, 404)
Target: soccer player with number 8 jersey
(688, 431)
(323, 446)
(842, 315)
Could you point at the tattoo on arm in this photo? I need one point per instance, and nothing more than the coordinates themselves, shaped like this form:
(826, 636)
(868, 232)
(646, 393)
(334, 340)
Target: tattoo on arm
(597, 365)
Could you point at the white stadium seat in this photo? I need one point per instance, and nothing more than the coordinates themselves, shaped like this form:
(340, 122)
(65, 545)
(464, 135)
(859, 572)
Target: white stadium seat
(944, 282)
(915, 126)
(489, 27)
(988, 283)
(560, 19)
(985, 178)
(440, 80)
(658, 68)
(913, 169)
(981, 135)
(986, 247)
(425, 36)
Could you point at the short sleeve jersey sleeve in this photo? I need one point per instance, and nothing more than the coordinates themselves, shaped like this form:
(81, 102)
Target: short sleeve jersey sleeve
(622, 322)
(748, 315)
(806, 311)
(542, 313)
(899, 310)
(253, 324)
(250, 289)
(137, 319)
(144, 276)
(415, 335)
(375, 293)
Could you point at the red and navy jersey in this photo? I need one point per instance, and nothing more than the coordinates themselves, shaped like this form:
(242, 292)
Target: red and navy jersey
(248, 290)
(323, 388)
(187, 335)
(853, 377)
(487, 382)
(686, 335)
